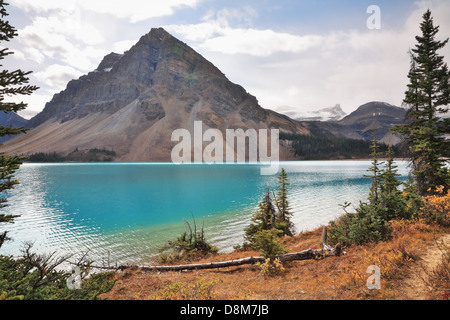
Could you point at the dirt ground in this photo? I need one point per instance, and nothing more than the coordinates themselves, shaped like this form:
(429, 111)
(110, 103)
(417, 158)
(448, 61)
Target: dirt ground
(414, 286)
(405, 263)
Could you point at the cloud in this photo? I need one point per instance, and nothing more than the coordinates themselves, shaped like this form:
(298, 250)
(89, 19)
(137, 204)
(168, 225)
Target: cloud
(310, 71)
(260, 43)
(57, 75)
(70, 24)
(132, 10)
(53, 38)
(216, 33)
(280, 65)
(254, 42)
(29, 54)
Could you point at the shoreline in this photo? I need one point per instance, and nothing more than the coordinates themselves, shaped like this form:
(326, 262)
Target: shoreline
(215, 163)
(335, 278)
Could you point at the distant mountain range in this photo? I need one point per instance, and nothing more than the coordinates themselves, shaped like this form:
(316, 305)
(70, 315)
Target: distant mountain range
(12, 119)
(326, 114)
(132, 102)
(361, 123)
(375, 116)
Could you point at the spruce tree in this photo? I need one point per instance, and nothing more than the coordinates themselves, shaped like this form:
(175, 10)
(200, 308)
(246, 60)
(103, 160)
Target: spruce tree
(389, 175)
(262, 219)
(375, 172)
(11, 83)
(392, 204)
(428, 98)
(283, 218)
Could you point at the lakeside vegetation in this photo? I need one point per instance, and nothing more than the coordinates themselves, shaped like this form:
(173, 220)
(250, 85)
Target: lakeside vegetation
(321, 147)
(91, 155)
(304, 147)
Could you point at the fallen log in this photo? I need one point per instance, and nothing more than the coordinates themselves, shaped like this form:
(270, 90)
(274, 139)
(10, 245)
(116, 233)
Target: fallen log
(327, 251)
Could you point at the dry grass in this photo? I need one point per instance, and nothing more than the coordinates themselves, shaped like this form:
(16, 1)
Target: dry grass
(333, 278)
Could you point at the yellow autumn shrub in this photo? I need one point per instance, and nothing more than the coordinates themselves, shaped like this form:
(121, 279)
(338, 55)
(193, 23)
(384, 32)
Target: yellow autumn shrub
(436, 207)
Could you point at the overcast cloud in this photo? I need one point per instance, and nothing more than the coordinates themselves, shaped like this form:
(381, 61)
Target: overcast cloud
(300, 55)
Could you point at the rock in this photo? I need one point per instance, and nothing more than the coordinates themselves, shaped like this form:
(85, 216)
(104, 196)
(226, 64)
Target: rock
(132, 103)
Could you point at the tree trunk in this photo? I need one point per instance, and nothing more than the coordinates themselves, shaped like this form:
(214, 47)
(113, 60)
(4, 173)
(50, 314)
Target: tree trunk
(327, 251)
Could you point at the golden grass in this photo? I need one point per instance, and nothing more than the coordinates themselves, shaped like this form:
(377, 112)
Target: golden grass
(332, 278)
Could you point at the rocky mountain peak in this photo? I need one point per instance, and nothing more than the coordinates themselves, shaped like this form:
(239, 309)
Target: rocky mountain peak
(375, 116)
(133, 101)
(109, 61)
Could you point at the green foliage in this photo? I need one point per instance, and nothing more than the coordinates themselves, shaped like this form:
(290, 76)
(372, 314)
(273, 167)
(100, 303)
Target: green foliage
(375, 173)
(321, 147)
(284, 214)
(414, 201)
(268, 220)
(267, 241)
(188, 245)
(37, 277)
(427, 97)
(46, 157)
(370, 223)
(262, 219)
(11, 82)
(364, 226)
(389, 176)
(391, 203)
(91, 155)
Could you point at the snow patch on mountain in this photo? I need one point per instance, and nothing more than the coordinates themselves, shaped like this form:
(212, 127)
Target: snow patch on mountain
(326, 114)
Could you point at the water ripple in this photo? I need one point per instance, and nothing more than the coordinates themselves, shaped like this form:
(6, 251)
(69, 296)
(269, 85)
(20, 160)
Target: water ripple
(123, 213)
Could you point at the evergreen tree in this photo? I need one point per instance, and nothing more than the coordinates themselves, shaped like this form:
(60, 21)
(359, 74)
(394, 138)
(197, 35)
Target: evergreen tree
(268, 218)
(11, 83)
(392, 204)
(370, 223)
(283, 218)
(427, 97)
(389, 175)
(263, 219)
(375, 172)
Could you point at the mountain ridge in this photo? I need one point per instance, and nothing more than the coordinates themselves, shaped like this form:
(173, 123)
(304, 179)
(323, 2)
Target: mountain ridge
(359, 124)
(378, 117)
(131, 104)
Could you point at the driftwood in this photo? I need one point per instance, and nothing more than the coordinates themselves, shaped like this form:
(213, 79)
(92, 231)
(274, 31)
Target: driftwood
(326, 251)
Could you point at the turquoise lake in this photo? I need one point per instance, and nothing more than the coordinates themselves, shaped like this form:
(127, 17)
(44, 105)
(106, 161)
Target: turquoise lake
(124, 212)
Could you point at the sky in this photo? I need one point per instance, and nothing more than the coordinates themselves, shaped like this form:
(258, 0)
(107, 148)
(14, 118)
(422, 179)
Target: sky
(302, 55)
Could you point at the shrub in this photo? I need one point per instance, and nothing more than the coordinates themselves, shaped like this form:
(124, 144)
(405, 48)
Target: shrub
(270, 268)
(414, 202)
(36, 277)
(177, 290)
(267, 241)
(436, 208)
(188, 246)
(364, 226)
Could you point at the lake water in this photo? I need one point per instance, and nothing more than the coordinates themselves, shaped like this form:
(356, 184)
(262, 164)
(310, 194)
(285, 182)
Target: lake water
(124, 212)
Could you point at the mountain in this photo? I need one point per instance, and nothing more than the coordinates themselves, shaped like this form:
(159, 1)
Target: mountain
(332, 122)
(133, 102)
(8, 119)
(378, 116)
(350, 137)
(326, 114)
